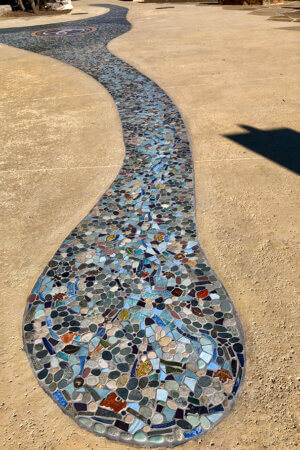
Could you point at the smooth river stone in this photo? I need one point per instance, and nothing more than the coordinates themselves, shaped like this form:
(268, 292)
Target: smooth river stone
(140, 437)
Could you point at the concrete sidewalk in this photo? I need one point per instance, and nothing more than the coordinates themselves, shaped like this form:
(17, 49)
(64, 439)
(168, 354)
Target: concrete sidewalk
(63, 147)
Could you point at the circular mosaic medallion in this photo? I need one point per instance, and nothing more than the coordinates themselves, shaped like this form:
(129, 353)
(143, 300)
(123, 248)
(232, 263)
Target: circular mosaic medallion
(61, 32)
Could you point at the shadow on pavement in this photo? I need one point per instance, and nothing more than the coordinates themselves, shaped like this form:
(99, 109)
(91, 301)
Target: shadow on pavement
(295, 28)
(281, 145)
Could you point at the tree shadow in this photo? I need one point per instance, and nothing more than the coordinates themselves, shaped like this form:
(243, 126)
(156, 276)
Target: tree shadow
(281, 145)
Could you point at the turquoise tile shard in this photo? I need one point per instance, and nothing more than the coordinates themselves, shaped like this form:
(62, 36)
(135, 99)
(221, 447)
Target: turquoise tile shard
(128, 329)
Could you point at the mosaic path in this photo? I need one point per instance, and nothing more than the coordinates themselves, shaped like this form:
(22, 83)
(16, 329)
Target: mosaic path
(128, 329)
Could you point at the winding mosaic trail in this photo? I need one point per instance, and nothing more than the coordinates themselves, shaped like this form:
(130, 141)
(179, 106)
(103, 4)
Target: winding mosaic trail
(128, 329)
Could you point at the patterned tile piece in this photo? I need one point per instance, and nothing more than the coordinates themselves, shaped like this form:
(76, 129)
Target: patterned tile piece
(128, 329)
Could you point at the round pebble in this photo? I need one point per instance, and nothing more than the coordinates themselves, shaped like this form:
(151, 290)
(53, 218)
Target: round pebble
(99, 428)
(140, 437)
